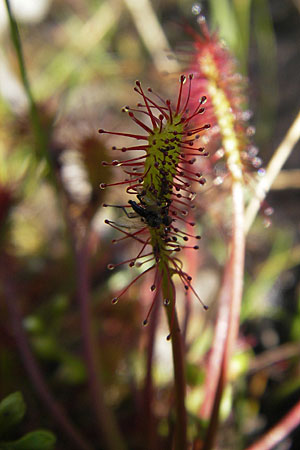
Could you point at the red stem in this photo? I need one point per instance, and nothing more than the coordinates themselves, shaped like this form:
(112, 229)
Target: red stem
(282, 429)
(168, 290)
(217, 350)
(236, 278)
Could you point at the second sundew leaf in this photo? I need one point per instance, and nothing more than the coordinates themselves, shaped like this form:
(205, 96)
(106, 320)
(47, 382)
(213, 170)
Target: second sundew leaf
(216, 74)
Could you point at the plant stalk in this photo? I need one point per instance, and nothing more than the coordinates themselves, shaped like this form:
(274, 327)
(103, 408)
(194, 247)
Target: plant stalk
(41, 137)
(236, 279)
(168, 290)
(213, 369)
(281, 430)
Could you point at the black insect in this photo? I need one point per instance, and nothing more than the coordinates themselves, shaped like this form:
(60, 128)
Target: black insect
(154, 215)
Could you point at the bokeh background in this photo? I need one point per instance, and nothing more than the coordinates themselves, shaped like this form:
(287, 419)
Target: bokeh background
(82, 58)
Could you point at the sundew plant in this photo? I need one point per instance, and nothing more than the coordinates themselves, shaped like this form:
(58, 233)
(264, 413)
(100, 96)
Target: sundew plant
(141, 309)
(161, 181)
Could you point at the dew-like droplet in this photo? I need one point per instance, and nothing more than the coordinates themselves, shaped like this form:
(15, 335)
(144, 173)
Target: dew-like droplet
(250, 131)
(261, 172)
(218, 180)
(220, 153)
(256, 162)
(269, 211)
(102, 185)
(267, 223)
(246, 115)
(168, 338)
(116, 162)
(110, 266)
(153, 287)
(167, 302)
(201, 19)
(252, 151)
(182, 79)
(196, 9)
(115, 300)
(145, 322)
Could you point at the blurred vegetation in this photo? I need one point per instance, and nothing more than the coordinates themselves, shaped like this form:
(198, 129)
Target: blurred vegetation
(12, 410)
(82, 58)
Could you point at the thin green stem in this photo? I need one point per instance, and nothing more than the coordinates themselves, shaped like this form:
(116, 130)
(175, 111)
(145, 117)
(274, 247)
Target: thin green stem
(41, 137)
(15, 35)
(168, 290)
